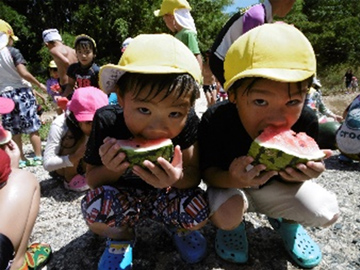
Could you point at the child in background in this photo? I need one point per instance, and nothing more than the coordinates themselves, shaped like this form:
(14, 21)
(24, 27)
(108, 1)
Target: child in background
(18, 212)
(68, 134)
(177, 17)
(329, 122)
(210, 85)
(62, 54)
(156, 87)
(240, 23)
(85, 72)
(268, 72)
(52, 85)
(16, 83)
(348, 135)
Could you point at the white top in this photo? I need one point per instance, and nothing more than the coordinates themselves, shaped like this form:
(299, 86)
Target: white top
(52, 160)
(9, 76)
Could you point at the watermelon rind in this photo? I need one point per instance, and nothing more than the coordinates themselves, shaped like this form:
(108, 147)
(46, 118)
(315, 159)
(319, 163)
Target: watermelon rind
(277, 158)
(7, 138)
(136, 156)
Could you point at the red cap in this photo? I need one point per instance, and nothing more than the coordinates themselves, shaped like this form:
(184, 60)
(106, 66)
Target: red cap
(5, 168)
(6, 105)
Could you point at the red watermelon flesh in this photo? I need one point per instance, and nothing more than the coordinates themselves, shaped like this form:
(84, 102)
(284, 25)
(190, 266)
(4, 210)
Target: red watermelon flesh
(280, 148)
(5, 135)
(138, 150)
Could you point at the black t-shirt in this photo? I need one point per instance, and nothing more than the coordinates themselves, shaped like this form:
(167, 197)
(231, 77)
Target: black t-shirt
(222, 136)
(84, 77)
(109, 122)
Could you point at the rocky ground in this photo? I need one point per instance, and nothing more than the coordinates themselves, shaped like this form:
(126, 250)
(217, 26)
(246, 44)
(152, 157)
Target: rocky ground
(75, 248)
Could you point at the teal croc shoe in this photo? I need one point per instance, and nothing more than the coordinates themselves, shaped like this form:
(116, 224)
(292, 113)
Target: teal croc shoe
(191, 245)
(232, 245)
(302, 249)
(116, 256)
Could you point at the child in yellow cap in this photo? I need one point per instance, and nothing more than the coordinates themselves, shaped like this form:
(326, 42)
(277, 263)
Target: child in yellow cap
(268, 72)
(177, 17)
(156, 86)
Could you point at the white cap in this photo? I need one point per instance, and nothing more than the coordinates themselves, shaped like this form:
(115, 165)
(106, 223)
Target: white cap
(51, 35)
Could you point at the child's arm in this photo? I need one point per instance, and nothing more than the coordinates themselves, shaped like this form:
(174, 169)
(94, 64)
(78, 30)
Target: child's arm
(25, 74)
(37, 94)
(69, 87)
(241, 174)
(114, 165)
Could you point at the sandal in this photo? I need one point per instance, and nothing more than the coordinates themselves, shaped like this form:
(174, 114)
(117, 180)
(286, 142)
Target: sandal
(78, 184)
(116, 256)
(22, 164)
(36, 256)
(190, 244)
(302, 249)
(37, 161)
(232, 245)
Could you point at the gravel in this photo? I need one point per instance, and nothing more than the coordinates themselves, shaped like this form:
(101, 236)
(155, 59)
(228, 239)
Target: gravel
(74, 247)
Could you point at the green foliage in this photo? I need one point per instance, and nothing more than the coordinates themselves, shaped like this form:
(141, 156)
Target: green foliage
(332, 27)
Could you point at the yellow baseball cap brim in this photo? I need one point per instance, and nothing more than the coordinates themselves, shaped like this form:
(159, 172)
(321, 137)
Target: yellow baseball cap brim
(151, 54)
(169, 6)
(275, 51)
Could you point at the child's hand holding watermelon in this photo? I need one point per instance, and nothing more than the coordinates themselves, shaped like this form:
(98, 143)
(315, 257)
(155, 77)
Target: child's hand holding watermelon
(111, 158)
(163, 174)
(244, 175)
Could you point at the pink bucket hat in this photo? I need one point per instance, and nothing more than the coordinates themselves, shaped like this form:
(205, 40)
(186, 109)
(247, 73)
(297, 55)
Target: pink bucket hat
(6, 105)
(85, 101)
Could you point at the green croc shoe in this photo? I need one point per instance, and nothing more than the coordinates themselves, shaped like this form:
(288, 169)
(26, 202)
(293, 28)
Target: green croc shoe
(37, 161)
(232, 245)
(302, 249)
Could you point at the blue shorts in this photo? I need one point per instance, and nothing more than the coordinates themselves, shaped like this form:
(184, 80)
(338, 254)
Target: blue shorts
(23, 119)
(117, 207)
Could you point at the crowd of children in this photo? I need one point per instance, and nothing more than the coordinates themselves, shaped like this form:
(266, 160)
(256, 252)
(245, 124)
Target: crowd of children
(153, 97)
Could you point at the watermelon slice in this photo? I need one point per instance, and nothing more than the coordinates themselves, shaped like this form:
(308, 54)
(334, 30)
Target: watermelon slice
(5, 135)
(138, 150)
(278, 149)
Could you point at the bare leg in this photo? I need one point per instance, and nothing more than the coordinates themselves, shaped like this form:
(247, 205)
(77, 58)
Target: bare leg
(17, 139)
(19, 206)
(36, 143)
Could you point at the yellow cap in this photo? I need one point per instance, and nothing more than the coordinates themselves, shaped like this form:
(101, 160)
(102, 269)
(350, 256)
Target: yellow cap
(151, 54)
(169, 6)
(84, 37)
(52, 64)
(275, 51)
(6, 28)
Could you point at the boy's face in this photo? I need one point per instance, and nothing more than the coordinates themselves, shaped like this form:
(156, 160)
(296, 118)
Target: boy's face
(169, 21)
(84, 54)
(268, 103)
(155, 118)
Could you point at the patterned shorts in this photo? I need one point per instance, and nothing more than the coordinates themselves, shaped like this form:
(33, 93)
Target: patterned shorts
(23, 119)
(117, 207)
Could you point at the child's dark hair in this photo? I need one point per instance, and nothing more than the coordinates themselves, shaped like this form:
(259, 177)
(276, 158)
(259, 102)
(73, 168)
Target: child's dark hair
(182, 83)
(74, 127)
(238, 83)
(85, 41)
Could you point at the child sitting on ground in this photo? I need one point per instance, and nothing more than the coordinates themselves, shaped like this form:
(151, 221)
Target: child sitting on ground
(268, 71)
(65, 145)
(156, 87)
